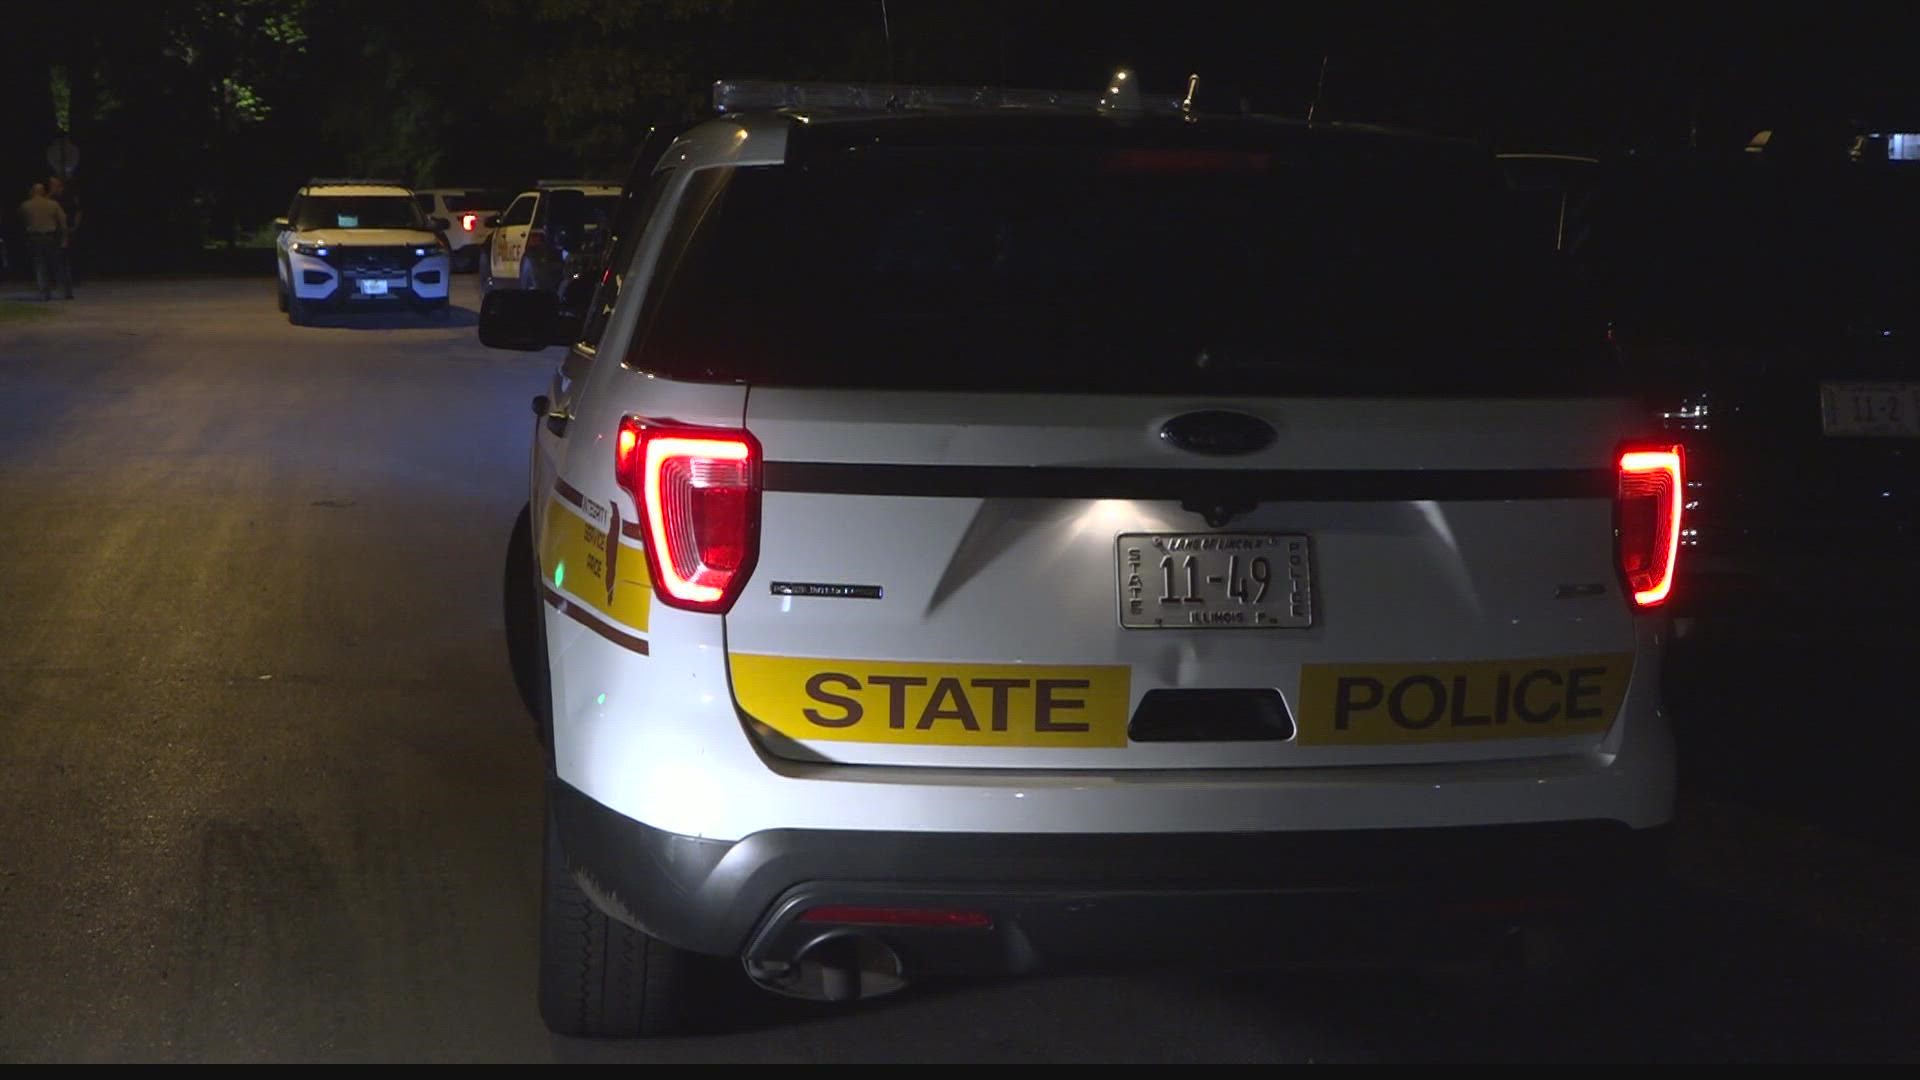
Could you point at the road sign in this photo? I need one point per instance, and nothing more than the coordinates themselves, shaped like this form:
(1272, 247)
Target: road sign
(63, 157)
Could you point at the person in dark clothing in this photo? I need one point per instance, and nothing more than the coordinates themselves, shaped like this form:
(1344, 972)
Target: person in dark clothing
(63, 192)
(46, 224)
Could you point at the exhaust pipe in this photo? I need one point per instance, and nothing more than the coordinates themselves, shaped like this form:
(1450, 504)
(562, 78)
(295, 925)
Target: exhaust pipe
(841, 965)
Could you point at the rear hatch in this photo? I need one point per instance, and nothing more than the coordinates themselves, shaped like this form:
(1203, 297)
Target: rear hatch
(1158, 452)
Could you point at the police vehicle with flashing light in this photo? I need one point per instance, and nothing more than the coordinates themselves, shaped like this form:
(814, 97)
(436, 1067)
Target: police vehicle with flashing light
(982, 531)
(360, 245)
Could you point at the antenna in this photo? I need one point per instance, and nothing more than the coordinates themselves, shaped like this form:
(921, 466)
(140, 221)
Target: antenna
(1318, 88)
(886, 28)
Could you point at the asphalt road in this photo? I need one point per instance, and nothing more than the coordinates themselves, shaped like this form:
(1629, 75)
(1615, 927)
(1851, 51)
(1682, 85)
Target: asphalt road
(266, 792)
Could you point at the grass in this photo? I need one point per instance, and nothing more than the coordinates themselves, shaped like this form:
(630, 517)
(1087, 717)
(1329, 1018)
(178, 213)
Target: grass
(16, 311)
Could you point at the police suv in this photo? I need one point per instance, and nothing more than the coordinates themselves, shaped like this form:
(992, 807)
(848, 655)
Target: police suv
(530, 242)
(359, 245)
(984, 531)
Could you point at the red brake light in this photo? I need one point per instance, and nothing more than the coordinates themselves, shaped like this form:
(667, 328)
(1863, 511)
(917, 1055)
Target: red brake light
(698, 493)
(467, 221)
(1647, 521)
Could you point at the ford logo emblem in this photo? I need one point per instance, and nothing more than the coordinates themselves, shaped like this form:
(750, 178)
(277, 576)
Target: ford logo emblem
(1218, 433)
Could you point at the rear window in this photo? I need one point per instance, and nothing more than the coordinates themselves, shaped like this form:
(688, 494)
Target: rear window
(478, 200)
(601, 210)
(1115, 270)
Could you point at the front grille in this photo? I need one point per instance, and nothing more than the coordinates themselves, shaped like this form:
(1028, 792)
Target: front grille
(373, 261)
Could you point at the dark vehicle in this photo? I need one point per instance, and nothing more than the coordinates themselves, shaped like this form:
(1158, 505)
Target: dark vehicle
(1553, 194)
(585, 262)
(580, 276)
(1772, 301)
(570, 218)
(531, 242)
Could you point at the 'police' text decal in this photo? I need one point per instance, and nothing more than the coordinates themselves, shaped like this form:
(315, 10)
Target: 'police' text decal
(1411, 703)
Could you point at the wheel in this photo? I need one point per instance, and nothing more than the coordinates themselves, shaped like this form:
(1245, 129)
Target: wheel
(280, 294)
(599, 977)
(526, 628)
(297, 311)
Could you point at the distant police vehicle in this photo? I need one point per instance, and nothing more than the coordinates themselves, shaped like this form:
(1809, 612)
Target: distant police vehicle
(985, 531)
(531, 241)
(360, 244)
(466, 212)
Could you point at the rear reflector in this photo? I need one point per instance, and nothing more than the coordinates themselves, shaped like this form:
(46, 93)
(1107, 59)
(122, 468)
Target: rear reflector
(698, 493)
(851, 915)
(1647, 522)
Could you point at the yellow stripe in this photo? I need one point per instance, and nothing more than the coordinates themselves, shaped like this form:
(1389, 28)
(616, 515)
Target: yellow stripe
(935, 704)
(573, 559)
(1380, 704)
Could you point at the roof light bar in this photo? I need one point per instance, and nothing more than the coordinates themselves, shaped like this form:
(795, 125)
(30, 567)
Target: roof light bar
(739, 95)
(355, 181)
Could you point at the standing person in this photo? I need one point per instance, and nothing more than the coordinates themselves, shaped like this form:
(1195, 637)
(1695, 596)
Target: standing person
(46, 225)
(62, 191)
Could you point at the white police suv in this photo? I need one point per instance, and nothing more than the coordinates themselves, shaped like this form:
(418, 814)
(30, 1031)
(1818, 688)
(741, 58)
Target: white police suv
(981, 532)
(359, 245)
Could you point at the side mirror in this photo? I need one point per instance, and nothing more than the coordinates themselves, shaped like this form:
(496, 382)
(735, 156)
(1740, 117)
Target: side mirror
(282, 224)
(439, 224)
(526, 320)
(493, 221)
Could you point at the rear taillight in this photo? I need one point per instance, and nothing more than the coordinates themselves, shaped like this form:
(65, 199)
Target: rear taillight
(698, 493)
(1646, 515)
(467, 221)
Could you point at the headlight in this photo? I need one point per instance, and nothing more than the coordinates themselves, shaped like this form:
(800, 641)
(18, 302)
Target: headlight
(305, 247)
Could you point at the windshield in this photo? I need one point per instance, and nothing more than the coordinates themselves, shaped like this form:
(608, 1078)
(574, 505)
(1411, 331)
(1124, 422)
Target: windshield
(1121, 271)
(360, 212)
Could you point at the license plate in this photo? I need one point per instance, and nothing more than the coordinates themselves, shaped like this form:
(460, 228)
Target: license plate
(1214, 581)
(373, 286)
(1870, 409)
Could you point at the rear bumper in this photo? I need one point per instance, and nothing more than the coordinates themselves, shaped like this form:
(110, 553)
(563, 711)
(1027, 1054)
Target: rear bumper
(1063, 900)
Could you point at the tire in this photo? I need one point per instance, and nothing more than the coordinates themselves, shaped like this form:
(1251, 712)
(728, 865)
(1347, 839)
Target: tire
(600, 978)
(297, 312)
(526, 630)
(280, 294)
